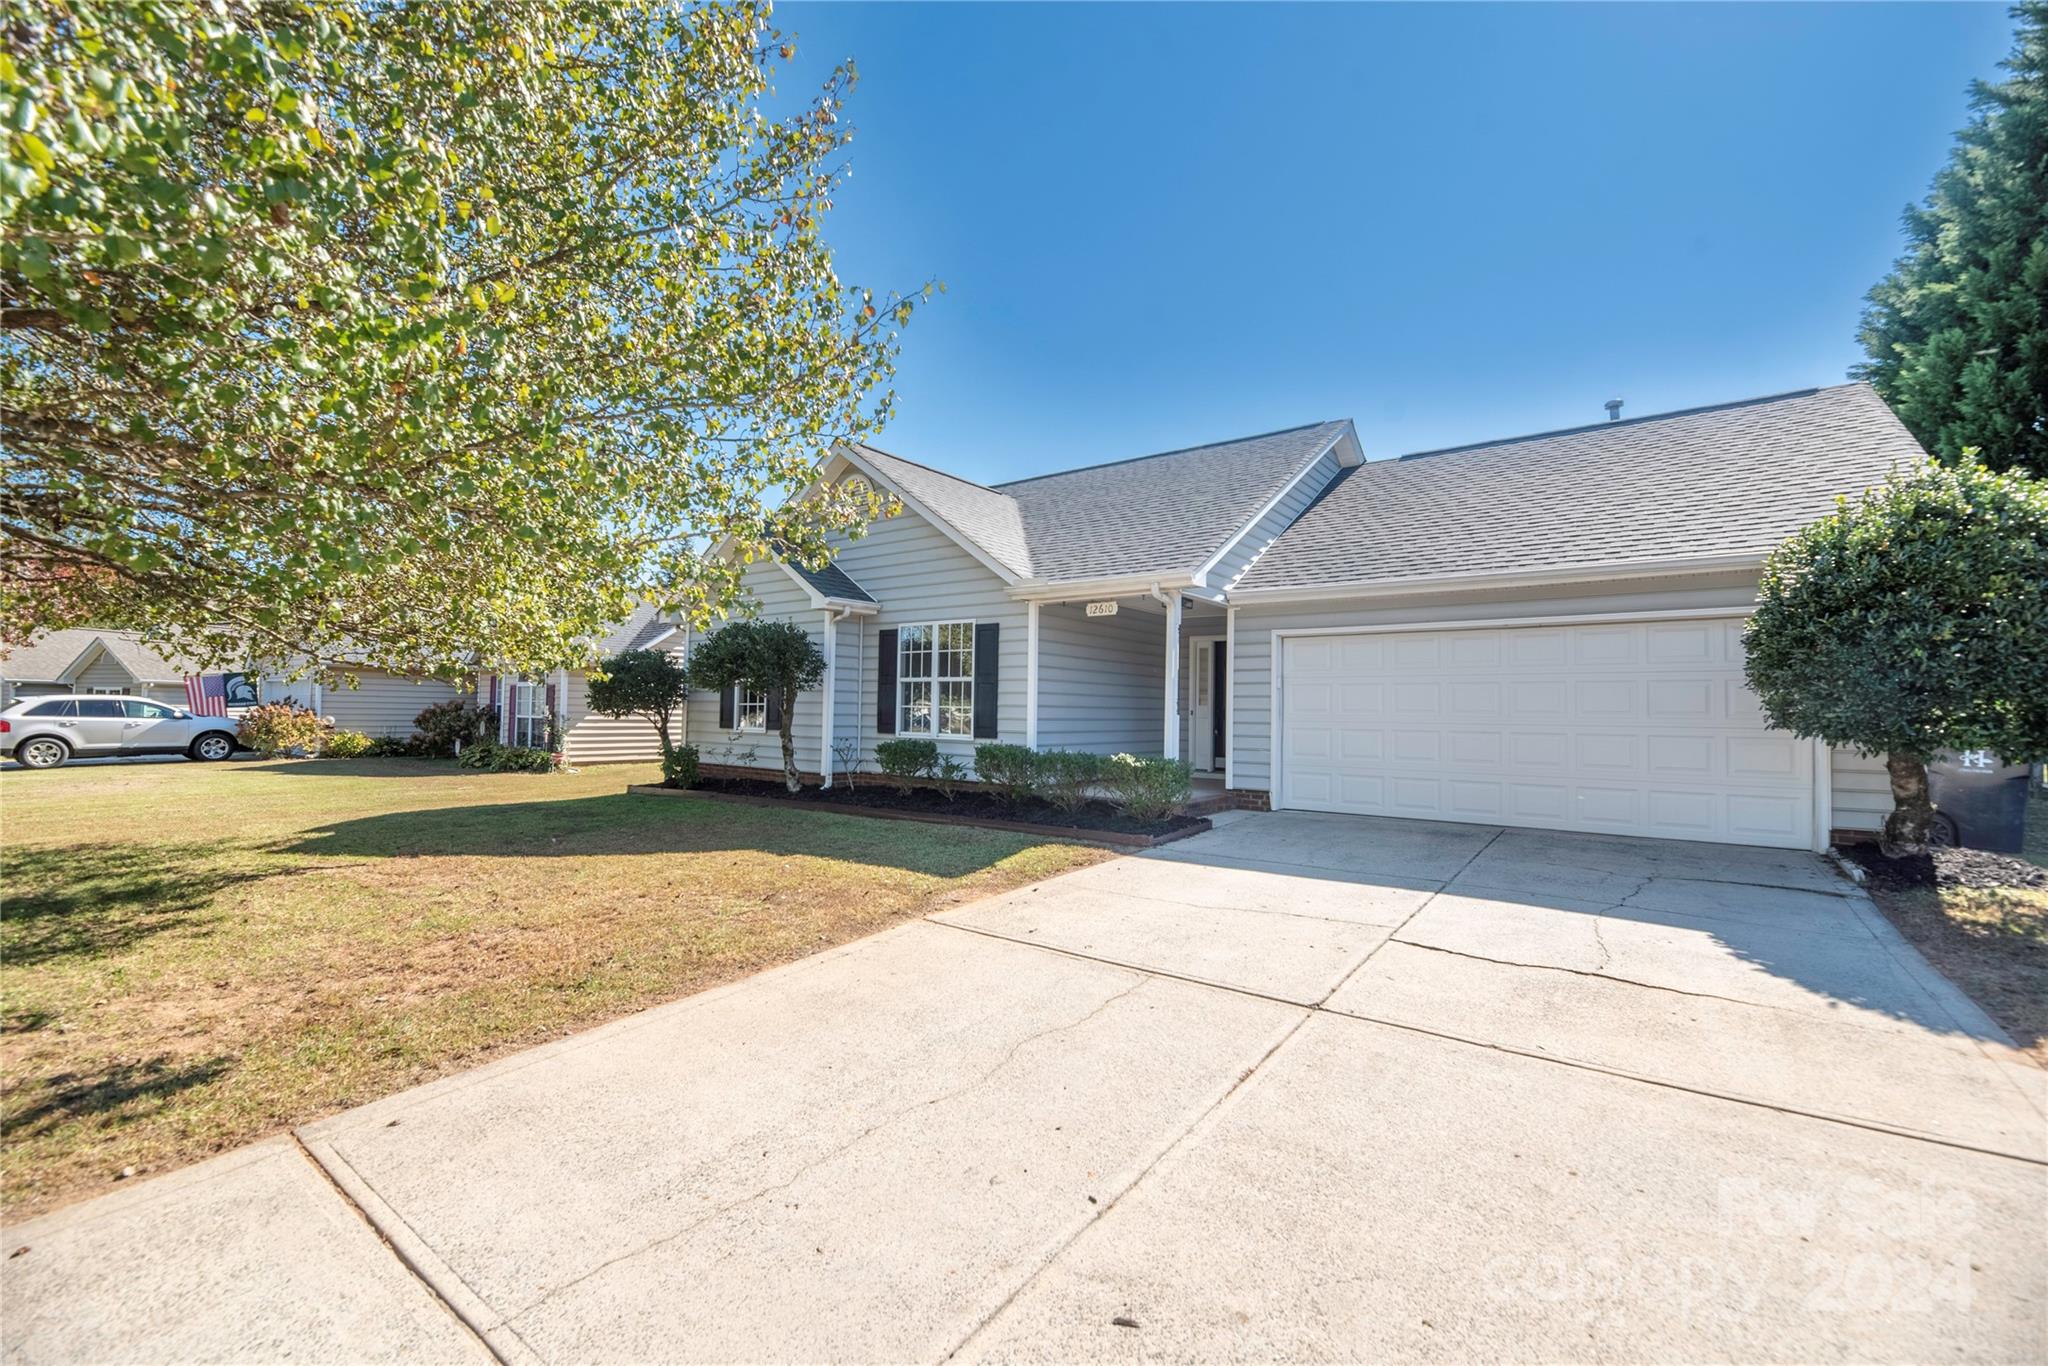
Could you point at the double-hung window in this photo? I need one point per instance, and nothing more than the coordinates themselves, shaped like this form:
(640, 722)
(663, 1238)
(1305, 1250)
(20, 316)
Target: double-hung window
(935, 679)
(750, 710)
(529, 714)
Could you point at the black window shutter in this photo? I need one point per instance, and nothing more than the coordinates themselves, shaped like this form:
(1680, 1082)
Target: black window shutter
(725, 709)
(885, 683)
(775, 710)
(987, 643)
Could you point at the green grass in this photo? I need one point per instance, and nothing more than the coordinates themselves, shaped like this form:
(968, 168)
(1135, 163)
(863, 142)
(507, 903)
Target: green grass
(194, 955)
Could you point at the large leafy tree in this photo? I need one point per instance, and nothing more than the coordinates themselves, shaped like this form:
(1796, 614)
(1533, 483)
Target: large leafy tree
(1957, 334)
(1912, 622)
(413, 328)
(775, 657)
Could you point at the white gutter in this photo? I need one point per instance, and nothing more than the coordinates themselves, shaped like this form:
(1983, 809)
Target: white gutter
(1513, 578)
(1123, 586)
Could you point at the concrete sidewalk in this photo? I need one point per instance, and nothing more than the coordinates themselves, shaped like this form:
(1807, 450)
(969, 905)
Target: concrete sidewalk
(1305, 1087)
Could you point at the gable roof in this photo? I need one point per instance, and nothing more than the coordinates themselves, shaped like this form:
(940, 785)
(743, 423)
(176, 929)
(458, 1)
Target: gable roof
(48, 657)
(1730, 480)
(641, 626)
(1167, 513)
(991, 520)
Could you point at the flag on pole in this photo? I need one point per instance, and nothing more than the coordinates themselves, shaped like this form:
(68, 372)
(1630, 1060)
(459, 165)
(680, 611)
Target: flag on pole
(206, 694)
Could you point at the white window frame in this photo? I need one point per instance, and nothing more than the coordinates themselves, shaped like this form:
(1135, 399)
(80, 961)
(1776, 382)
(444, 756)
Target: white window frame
(746, 706)
(107, 692)
(935, 679)
(531, 724)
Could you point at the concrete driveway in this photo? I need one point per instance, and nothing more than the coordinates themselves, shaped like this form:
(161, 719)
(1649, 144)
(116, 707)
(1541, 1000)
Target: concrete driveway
(1304, 1087)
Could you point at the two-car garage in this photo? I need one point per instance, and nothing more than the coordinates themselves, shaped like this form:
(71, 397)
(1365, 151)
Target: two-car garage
(1625, 727)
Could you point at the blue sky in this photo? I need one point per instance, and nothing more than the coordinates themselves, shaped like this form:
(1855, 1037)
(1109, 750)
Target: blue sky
(1163, 225)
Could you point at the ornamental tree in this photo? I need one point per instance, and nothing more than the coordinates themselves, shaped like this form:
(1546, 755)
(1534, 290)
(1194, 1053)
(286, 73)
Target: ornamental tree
(1957, 334)
(422, 329)
(1912, 622)
(775, 657)
(643, 683)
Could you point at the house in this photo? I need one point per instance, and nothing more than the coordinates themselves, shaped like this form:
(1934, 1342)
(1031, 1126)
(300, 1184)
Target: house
(525, 702)
(89, 660)
(1539, 631)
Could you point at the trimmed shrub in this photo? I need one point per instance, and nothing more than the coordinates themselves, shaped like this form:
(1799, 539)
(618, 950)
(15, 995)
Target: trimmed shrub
(679, 767)
(393, 747)
(345, 744)
(1148, 789)
(441, 727)
(495, 758)
(1061, 777)
(281, 728)
(904, 761)
(1009, 769)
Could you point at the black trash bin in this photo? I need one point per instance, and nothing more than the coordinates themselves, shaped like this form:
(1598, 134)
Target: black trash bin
(1984, 801)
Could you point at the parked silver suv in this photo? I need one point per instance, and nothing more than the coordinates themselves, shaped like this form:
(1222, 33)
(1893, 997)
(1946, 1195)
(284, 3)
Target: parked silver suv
(42, 732)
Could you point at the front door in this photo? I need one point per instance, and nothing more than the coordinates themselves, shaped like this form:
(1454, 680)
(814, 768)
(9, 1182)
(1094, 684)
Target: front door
(1207, 673)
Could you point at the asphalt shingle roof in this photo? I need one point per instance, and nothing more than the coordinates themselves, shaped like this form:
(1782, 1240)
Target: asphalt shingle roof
(832, 581)
(1727, 479)
(990, 519)
(42, 658)
(1156, 514)
(642, 625)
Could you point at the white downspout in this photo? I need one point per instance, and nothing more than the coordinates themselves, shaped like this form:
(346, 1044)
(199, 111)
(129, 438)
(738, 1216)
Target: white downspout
(1171, 747)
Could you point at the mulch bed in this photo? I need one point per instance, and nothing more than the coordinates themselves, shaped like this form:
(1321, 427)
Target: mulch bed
(1947, 868)
(875, 798)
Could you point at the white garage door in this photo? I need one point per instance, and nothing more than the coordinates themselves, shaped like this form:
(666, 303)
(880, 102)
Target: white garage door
(1626, 728)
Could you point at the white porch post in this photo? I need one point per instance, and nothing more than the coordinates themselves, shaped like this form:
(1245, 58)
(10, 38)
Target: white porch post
(831, 700)
(1031, 675)
(1172, 748)
(1229, 698)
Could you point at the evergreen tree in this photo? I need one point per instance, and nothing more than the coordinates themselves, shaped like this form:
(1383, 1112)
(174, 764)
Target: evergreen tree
(1957, 334)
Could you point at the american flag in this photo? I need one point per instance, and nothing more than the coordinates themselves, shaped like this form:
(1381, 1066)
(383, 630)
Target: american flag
(206, 694)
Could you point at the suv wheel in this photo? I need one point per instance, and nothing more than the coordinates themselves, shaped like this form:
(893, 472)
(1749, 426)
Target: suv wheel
(212, 747)
(43, 752)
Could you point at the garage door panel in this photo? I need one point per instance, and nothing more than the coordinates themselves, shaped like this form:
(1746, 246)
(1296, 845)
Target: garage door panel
(1610, 701)
(1628, 728)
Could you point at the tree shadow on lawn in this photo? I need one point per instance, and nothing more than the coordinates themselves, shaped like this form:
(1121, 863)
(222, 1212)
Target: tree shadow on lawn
(628, 824)
(77, 900)
(130, 1088)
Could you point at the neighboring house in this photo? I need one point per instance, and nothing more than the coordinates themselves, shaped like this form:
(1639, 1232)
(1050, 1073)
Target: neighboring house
(1542, 631)
(526, 702)
(88, 660)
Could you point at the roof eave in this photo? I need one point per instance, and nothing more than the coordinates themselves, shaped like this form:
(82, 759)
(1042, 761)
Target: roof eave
(1117, 586)
(1672, 567)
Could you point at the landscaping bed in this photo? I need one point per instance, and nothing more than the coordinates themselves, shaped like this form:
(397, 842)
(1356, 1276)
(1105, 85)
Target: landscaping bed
(1093, 820)
(1981, 919)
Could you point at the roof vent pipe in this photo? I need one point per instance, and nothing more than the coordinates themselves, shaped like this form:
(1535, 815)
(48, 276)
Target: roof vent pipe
(1614, 410)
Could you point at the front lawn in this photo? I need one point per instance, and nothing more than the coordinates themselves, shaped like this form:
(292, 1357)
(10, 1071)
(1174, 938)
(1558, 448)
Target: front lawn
(193, 955)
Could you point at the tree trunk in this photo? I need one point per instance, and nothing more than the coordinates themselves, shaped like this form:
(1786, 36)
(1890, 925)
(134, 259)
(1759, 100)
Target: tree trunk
(1905, 830)
(668, 746)
(788, 743)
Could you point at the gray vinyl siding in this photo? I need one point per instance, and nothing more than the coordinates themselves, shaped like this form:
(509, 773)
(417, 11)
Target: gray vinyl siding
(1263, 532)
(1251, 671)
(919, 575)
(1101, 680)
(103, 672)
(381, 703)
(588, 738)
(854, 648)
(1860, 790)
(778, 598)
